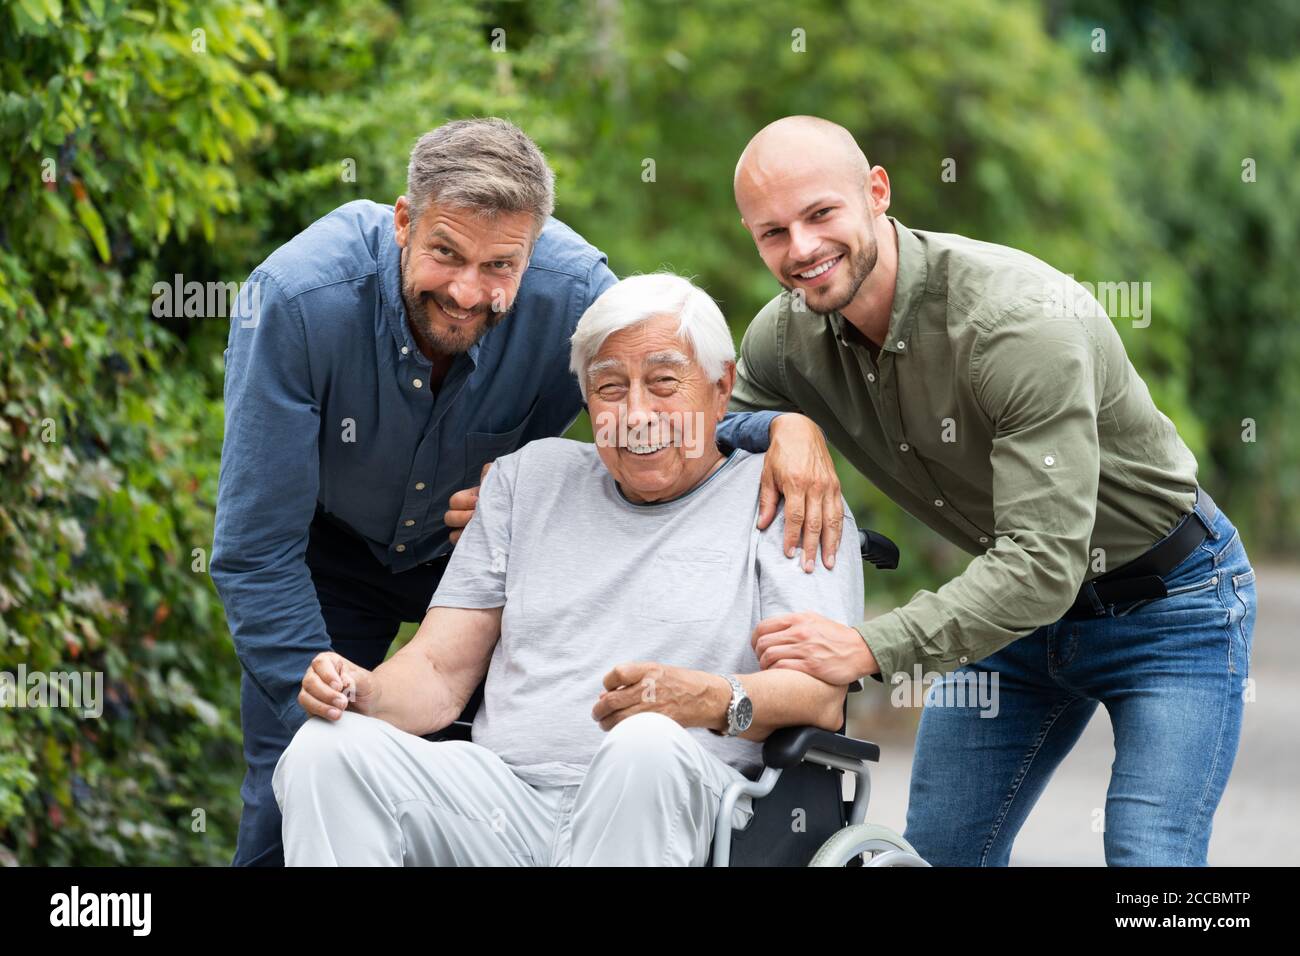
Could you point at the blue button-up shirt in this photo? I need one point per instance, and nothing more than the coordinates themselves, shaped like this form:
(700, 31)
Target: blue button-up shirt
(328, 401)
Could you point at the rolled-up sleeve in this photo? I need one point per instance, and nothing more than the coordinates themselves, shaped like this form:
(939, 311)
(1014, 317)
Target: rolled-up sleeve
(1037, 378)
(266, 497)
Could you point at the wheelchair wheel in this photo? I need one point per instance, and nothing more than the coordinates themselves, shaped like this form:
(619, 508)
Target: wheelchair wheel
(866, 845)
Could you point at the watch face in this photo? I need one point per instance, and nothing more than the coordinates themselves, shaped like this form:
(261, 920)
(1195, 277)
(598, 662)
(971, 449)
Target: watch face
(744, 714)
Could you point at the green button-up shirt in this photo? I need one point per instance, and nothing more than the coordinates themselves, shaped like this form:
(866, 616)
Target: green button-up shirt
(1003, 412)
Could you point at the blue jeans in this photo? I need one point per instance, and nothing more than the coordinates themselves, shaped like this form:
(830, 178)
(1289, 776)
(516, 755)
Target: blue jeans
(1172, 674)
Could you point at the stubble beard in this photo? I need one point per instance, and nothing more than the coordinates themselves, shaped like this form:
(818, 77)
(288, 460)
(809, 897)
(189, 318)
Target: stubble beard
(427, 336)
(860, 266)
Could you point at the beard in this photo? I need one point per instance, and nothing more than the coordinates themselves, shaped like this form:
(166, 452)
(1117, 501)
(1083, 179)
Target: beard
(420, 310)
(859, 264)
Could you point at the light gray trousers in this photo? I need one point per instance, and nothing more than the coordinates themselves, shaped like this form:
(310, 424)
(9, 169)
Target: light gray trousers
(360, 792)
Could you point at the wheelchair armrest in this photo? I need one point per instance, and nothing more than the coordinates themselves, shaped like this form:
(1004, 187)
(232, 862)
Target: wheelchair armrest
(456, 730)
(786, 747)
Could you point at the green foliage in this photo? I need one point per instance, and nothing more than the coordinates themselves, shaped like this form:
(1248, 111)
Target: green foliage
(143, 140)
(118, 135)
(140, 142)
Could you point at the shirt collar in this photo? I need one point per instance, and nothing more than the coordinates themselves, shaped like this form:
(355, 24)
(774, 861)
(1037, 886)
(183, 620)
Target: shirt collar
(394, 309)
(909, 287)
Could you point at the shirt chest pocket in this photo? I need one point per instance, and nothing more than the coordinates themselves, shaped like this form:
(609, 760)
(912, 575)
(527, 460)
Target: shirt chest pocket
(483, 447)
(685, 586)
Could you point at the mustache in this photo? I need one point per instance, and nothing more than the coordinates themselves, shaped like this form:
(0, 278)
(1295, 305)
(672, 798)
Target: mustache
(428, 297)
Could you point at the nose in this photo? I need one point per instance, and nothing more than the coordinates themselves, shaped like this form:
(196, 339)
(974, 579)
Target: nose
(803, 243)
(643, 418)
(464, 288)
(640, 409)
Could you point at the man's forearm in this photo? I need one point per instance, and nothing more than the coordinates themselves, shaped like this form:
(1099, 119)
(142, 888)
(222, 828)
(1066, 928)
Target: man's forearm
(412, 695)
(276, 625)
(426, 684)
(783, 698)
(747, 430)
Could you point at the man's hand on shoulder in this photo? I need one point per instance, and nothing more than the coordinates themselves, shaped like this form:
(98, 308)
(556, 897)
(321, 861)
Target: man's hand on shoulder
(799, 468)
(460, 508)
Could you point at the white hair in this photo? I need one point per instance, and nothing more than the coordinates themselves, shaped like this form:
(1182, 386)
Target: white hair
(638, 299)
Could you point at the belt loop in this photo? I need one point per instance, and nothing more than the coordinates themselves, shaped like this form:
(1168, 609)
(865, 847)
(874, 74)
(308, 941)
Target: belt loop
(1090, 590)
(1206, 511)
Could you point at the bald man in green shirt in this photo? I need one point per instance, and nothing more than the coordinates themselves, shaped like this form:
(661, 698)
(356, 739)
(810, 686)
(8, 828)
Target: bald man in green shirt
(991, 397)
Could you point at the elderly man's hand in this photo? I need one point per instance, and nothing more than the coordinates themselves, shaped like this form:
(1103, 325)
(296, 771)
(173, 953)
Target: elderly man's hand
(692, 698)
(825, 649)
(334, 684)
(799, 467)
(461, 507)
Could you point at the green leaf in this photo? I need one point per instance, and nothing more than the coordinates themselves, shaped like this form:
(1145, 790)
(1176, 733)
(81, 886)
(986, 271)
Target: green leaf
(89, 217)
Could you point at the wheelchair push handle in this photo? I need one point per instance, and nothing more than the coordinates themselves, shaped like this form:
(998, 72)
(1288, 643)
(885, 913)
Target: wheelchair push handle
(877, 549)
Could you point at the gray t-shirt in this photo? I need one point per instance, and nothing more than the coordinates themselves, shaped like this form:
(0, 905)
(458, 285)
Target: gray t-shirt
(589, 580)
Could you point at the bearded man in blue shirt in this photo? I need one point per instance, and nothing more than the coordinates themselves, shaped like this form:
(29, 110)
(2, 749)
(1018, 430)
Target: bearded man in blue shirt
(376, 362)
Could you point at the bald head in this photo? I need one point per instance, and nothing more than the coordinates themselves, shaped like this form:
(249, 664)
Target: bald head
(799, 146)
(811, 202)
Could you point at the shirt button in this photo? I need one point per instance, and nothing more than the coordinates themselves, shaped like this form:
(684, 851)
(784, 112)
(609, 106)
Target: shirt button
(400, 548)
(904, 446)
(938, 502)
(419, 486)
(408, 522)
(1049, 461)
(983, 540)
(416, 382)
(963, 660)
(902, 346)
(871, 376)
(405, 350)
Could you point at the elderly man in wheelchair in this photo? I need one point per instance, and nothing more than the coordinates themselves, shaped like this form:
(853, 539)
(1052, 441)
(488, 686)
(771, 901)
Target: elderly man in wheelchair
(610, 593)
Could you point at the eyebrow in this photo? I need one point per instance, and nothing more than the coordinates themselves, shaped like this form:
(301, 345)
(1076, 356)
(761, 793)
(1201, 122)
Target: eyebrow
(816, 203)
(595, 368)
(670, 357)
(446, 239)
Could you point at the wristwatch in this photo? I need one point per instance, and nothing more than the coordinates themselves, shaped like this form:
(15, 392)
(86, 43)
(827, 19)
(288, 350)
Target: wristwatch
(740, 712)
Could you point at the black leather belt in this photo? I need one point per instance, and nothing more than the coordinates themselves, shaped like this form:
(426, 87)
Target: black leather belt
(1142, 578)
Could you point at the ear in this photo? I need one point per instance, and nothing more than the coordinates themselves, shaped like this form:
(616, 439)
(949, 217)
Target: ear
(402, 221)
(878, 191)
(725, 385)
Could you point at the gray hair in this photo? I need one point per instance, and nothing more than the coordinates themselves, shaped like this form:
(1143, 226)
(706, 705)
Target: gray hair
(487, 165)
(638, 299)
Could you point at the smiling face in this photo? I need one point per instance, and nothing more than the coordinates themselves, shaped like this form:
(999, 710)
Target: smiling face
(812, 237)
(810, 202)
(460, 272)
(645, 378)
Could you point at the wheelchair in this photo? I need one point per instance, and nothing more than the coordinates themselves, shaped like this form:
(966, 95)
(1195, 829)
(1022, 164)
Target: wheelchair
(800, 817)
